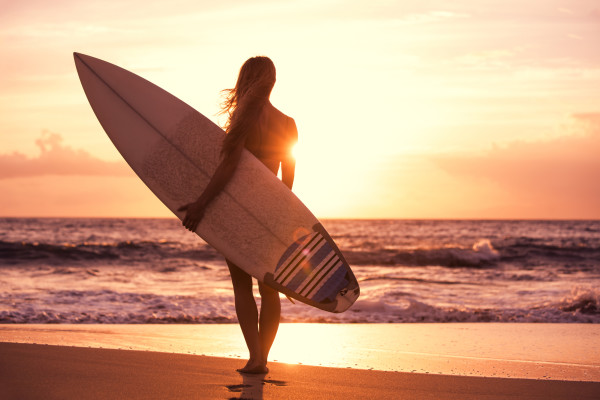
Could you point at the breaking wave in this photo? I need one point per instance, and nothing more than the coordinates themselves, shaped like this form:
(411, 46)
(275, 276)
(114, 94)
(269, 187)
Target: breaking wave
(107, 306)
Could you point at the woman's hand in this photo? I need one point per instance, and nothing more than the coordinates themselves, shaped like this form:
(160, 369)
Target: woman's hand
(193, 216)
(222, 175)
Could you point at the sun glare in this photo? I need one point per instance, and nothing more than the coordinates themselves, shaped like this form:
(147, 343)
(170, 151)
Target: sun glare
(290, 346)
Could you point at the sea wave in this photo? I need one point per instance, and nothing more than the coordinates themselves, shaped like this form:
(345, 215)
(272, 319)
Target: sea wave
(583, 300)
(12, 253)
(108, 306)
(481, 254)
(75, 317)
(581, 310)
(113, 307)
(529, 249)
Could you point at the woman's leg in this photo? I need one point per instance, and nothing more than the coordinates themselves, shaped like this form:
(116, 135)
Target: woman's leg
(270, 312)
(247, 314)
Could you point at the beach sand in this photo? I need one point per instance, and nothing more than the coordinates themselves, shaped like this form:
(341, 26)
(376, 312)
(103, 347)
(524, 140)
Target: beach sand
(450, 361)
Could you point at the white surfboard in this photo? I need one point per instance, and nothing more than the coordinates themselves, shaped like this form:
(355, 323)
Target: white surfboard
(256, 222)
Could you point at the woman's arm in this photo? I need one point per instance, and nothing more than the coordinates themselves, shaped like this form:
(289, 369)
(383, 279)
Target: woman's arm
(288, 169)
(222, 175)
(288, 163)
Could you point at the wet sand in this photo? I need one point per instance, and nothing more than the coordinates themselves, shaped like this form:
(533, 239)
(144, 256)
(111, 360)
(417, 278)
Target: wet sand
(59, 372)
(532, 351)
(358, 361)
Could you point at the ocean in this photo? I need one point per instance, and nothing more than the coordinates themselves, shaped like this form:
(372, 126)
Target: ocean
(115, 270)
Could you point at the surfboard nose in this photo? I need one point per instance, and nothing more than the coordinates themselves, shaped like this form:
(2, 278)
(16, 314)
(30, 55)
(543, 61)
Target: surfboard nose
(89, 61)
(78, 56)
(80, 61)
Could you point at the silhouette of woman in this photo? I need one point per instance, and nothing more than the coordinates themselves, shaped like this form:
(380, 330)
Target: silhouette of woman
(256, 125)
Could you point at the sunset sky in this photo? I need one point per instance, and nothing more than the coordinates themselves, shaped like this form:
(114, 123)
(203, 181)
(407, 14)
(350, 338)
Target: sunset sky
(405, 109)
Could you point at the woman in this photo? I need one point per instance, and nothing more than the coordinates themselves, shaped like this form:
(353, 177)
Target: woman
(255, 125)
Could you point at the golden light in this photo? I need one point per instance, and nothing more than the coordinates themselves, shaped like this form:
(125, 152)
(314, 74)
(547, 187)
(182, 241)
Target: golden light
(293, 341)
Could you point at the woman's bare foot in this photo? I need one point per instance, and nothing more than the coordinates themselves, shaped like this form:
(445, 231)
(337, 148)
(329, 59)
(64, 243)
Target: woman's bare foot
(254, 367)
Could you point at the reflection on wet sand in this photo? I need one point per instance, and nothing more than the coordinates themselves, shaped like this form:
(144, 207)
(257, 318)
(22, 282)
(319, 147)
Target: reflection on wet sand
(252, 386)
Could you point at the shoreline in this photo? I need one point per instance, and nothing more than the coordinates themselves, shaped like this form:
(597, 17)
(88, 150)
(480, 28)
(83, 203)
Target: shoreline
(521, 351)
(60, 372)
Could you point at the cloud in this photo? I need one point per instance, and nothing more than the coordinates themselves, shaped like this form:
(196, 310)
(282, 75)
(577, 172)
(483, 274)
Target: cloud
(57, 159)
(561, 175)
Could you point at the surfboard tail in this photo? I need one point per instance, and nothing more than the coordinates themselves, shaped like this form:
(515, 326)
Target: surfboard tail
(313, 270)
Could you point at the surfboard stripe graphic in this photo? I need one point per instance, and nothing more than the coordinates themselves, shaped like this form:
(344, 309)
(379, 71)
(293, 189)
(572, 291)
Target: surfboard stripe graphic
(282, 267)
(327, 274)
(306, 266)
(319, 258)
(312, 268)
(293, 250)
(307, 255)
(333, 284)
(315, 273)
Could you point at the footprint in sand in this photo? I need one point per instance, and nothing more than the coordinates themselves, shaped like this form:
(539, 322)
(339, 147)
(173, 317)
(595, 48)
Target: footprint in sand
(275, 382)
(237, 388)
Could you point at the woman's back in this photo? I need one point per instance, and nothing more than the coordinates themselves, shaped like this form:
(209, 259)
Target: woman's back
(274, 139)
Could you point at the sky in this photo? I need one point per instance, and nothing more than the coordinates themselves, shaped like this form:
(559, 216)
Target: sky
(405, 109)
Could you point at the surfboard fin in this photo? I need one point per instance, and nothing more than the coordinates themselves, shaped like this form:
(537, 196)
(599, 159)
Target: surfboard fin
(290, 299)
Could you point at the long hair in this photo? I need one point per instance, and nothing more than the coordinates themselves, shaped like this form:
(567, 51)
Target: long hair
(243, 103)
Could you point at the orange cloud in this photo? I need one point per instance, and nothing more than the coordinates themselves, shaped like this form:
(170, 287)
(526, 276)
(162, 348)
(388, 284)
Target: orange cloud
(57, 159)
(561, 177)
(66, 182)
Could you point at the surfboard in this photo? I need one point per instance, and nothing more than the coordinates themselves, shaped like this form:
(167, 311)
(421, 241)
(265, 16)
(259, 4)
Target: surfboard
(256, 221)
